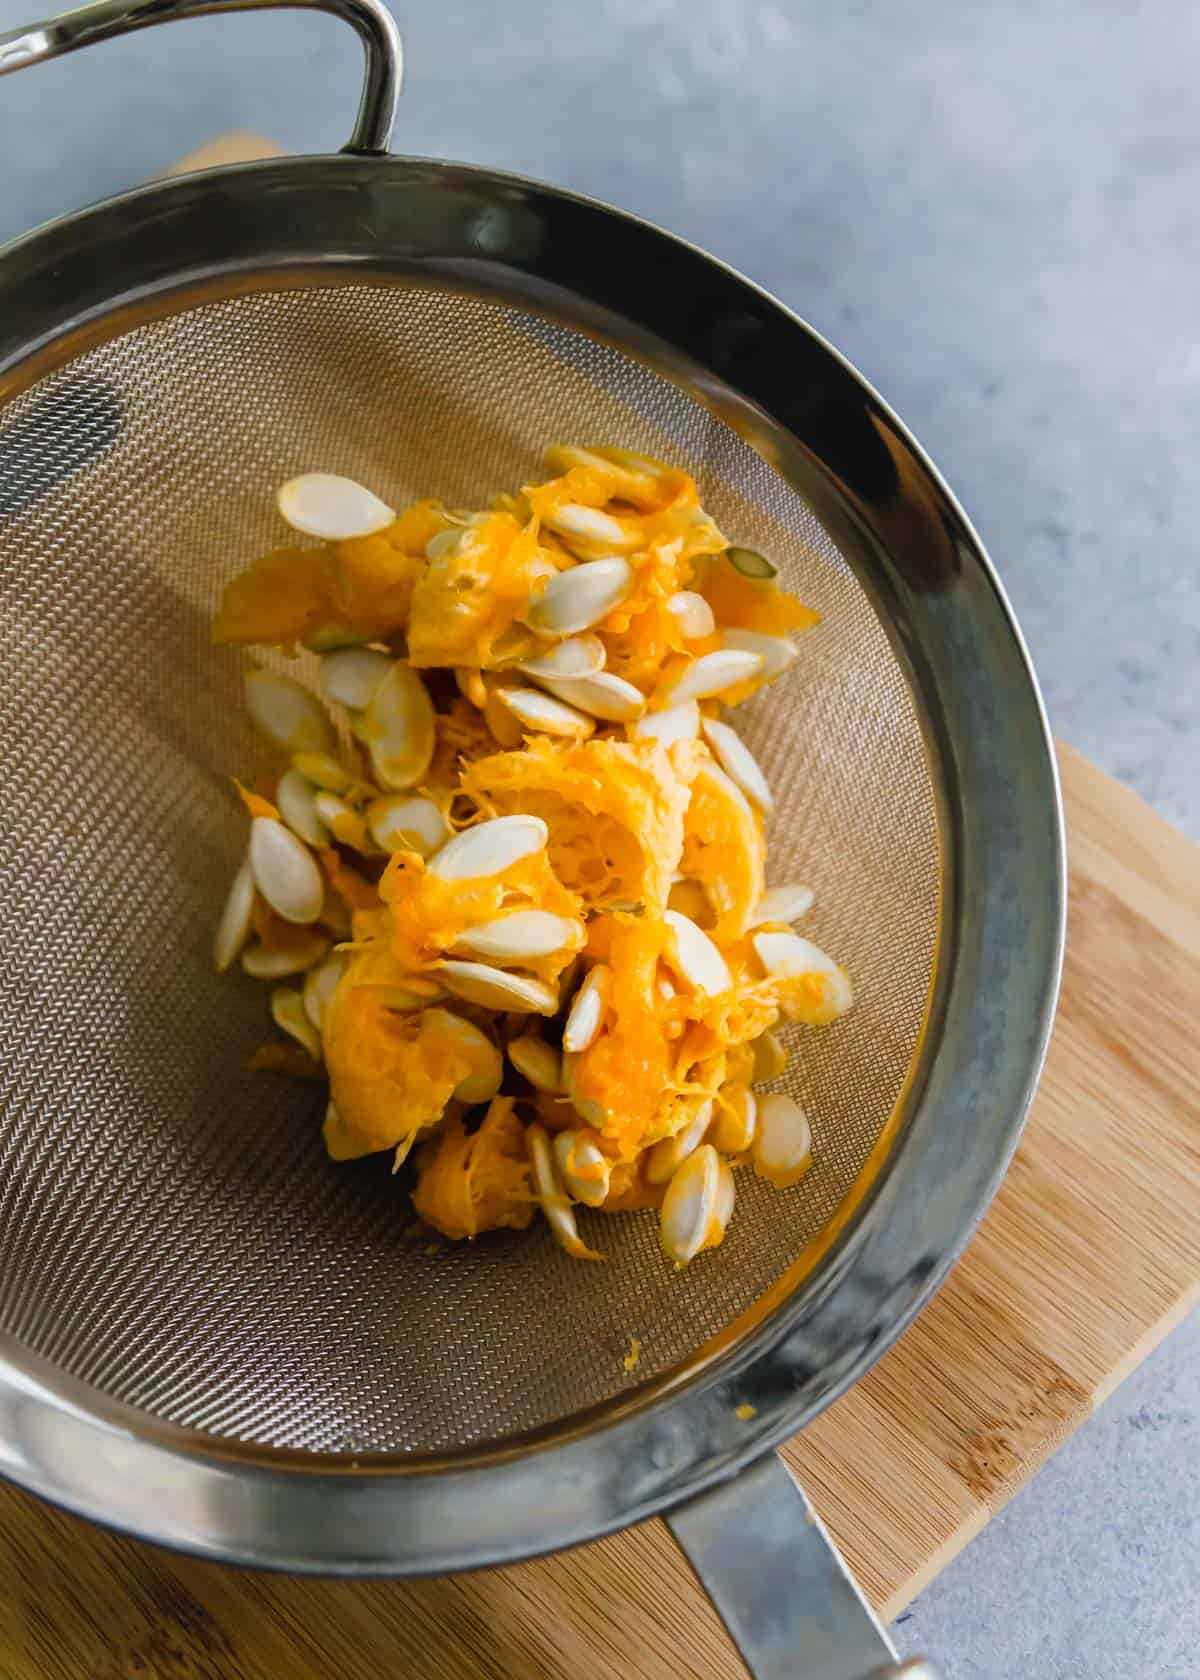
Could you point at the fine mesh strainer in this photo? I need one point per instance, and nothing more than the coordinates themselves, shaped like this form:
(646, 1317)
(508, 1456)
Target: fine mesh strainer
(211, 1336)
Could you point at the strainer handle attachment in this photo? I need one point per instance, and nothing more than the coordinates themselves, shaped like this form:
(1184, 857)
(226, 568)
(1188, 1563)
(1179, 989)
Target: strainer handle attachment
(105, 19)
(779, 1584)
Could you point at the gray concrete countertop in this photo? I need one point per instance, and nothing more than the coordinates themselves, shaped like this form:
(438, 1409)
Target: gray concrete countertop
(993, 211)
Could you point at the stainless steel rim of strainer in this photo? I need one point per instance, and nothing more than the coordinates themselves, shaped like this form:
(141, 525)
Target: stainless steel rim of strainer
(816, 421)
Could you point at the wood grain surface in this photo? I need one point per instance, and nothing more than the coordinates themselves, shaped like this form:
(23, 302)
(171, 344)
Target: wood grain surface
(1088, 1256)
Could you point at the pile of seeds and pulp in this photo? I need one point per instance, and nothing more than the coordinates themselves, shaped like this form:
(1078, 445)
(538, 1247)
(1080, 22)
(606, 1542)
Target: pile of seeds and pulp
(510, 863)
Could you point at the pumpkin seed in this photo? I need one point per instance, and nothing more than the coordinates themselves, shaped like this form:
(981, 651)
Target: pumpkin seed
(295, 798)
(285, 871)
(538, 1062)
(487, 1064)
(341, 1145)
(520, 936)
(502, 722)
(677, 723)
(288, 1014)
(786, 956)
(750, 563)
(489, 848)
(351, 675)
(690, 1204)
(567, 982)
(694, 957)
(496, 988)
(739, 763)
(398, 728)
(782, 904)
(714, 672)
(288, 715)
(776, 652)
(544, 715)
(263, 963)
(562, 457)
(711, 772)
(519, 642)
(326, 637)
(323, 770)
(576, 599)
(584, 1169)
(737, 1119)
(445, 543)
(578, 656)
(770, 1058)
(693, 614)
(233, 929)
(330, 809)
(333, 508)
(320, 983)
(782, 1148)
(343, 821)
(593, 528)
(633, 462)
(471, 686)
(667, 1156)
(588, 1109)
(403, 1150)
(587, 1011)
(553, 1196)
(398, 824)
(602, 695)
(723, 1212)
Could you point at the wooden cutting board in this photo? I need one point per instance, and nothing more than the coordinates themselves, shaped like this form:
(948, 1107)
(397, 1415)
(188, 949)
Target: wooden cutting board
(1088, 1256)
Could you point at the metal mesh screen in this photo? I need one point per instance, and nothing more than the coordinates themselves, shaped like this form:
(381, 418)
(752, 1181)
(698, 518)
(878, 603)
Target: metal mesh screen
(170, 1228)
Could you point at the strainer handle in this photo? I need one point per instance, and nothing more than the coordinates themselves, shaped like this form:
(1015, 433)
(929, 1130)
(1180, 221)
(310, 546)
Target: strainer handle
(779, 1584)
(105, 19)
